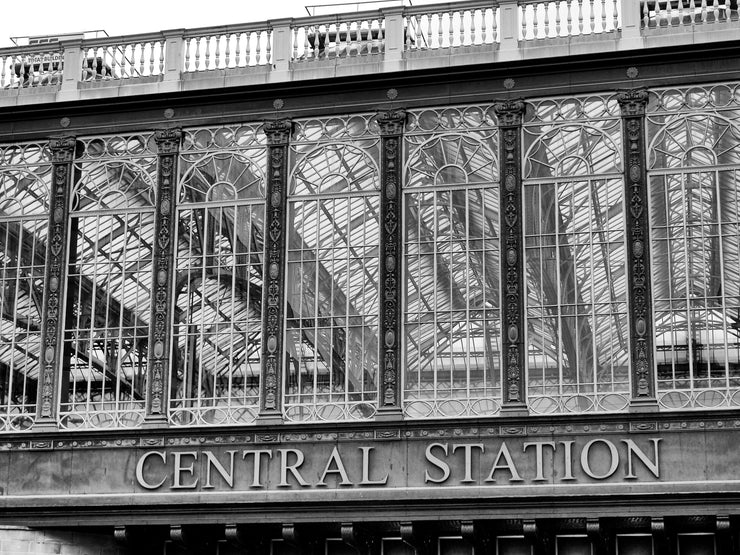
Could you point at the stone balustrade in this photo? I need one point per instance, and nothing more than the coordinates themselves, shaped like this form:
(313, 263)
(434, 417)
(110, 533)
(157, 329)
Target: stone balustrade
(382, 40)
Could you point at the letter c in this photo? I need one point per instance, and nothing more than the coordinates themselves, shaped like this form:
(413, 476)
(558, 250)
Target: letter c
(140, 469)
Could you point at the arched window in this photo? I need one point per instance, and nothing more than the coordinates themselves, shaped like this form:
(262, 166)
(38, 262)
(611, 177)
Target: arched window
(217, 333)
(452, 323)
(694, 169)
(25, 178)
(332, 272)
(109, 283)
(576, 309)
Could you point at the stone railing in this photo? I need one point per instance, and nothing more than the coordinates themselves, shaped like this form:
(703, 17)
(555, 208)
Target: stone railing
(387, 39)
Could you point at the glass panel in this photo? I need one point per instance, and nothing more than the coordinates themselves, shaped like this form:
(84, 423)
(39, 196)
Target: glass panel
(572, 546)
(217, 333)
(513, 546)
(109, 280)
(575, 258)
(332, 275)
(634, 545)
(696, 544)
(451, 251)
(694, 216)
(25, 180)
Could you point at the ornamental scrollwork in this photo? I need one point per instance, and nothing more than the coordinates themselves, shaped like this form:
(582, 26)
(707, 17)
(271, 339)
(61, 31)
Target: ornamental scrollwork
(510, 114)
(278, 136)
(168, 143)
(391, 125)
(633, 104)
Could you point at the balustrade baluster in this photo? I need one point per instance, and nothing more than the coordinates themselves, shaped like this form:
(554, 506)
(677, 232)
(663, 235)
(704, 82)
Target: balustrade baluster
(160, 65)
(558, 19)
(141, 58)
(197, 54)
(615, 15)
(258, 49)
(603, 16)
(475, 37)
(419, 33)
(268, 47)
(307, 50)
(591, 15)
(248, 48)
(187, 54)
(535, 21)
(645, 15)
(451, 33)
(569, 15)
(3, 71)
(703, 11)
(548, 20)
(580, 17)
(150, 45)
(227, 50)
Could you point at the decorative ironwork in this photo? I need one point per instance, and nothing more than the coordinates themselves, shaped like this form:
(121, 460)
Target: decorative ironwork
(278, 137)
(62, 156)
(168, 143)
(510, 114)
(632, 104)
(391, 125)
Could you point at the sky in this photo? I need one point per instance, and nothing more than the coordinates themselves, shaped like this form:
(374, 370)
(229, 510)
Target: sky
(49, 17)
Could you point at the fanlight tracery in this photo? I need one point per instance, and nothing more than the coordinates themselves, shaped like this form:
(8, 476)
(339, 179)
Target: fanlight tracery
(332, 283)
(218, 289)
(575, 268)
(110, 267)
(695, 220)
(452, 324)
(24, 190)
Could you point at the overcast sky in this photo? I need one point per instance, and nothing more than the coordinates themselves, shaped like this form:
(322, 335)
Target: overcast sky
(47, 17)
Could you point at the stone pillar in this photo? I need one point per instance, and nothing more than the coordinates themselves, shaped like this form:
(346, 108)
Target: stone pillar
(632, 104)
(391, 125)
(282, 43)
(55, 282)
(395, 40)
(174, 55)
(278, 138)
(71, 70)
(631, 21)
(513, 352)
(509, 27)
(160, 321)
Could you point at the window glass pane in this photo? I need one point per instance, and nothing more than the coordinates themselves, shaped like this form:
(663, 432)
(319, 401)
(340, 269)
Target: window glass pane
(634, 545)
(109, 281)
(694, 216)
(332, 275)
(573, 546)
(25, 180)
(575, 256)
(696, 544)
(217, 333)
(452, 325)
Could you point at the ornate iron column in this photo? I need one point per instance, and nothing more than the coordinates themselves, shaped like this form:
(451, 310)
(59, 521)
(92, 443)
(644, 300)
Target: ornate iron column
(160, 334)
(55, 282)
(632, 104)
(391, 124)
(278, 138)
(514, 354)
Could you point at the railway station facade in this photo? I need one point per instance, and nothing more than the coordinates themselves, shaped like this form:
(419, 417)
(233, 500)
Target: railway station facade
(456, 278)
